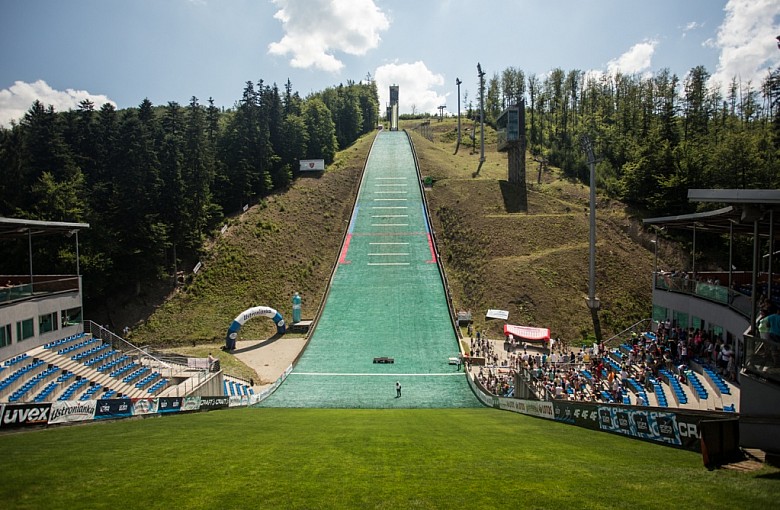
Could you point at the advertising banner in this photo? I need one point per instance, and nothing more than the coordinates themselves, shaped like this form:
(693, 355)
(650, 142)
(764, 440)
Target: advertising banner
(312, 165)
(239, 400)
(25, 415)
(527, 333)
(690, 430)
(497, 314)
(641, 423)
(209, 403)
(143, 406)
(529, 407)
(113, 408)
(69, 411)
(677, 429)
(169, 404)
(573, 413)
(190, 404)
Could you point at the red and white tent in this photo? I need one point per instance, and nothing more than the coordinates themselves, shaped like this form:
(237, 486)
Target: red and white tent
(527, 333)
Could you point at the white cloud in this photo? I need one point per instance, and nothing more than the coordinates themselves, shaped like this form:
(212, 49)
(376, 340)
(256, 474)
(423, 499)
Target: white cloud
(315, 29)
(636, 60)
(691, 25)
(17, 99)
(416, 85)
(746, 40)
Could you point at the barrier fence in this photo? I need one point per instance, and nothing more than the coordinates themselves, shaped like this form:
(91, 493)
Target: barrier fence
(14, 416)
(681, 429)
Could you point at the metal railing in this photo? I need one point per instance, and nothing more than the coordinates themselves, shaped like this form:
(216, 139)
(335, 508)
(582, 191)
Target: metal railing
(162, 363)
(41, 285)
(637, 327)
(734, 299)
(762, 358)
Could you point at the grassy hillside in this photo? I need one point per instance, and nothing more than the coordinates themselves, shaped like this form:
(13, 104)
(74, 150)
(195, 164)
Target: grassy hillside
(533, 264)
(287, 243)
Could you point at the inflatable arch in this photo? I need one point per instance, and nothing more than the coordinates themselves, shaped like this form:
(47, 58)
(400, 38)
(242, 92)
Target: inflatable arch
(249, 313)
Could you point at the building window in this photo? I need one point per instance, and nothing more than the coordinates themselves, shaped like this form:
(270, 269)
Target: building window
(47, 323)
(25, 329)
(680, 319)
(71, 317)
(5, 335)
(659, 313)
(697, 323)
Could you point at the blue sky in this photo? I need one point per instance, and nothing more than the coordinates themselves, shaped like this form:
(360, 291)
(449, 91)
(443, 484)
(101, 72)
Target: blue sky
(122, 51)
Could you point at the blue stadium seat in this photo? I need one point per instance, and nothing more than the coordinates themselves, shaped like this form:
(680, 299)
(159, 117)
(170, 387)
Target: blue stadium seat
(675, 385)
(698, 387)
(717, 379)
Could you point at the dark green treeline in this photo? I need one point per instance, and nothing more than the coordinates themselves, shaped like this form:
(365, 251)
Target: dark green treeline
(657, 136)
(154, 181)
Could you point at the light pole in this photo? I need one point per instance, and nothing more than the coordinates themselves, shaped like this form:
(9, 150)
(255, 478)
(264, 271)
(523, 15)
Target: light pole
(593, 302)
(481, 74)
(655, 266)
(457, 145)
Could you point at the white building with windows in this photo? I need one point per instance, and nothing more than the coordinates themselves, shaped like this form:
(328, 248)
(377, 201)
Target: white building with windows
(38, 308)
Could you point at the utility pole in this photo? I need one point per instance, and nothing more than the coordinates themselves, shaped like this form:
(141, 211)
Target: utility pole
(441, 112)
(457, 145)
(481, 117)
(593, 302)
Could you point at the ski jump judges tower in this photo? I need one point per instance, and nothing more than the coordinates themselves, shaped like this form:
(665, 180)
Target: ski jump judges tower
(392, 109)
(511, 139)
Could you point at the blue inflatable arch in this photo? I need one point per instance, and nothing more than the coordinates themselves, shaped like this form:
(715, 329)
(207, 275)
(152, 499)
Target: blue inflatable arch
(249, 313)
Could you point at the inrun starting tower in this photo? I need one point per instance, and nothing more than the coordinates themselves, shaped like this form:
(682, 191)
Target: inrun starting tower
(392, 108)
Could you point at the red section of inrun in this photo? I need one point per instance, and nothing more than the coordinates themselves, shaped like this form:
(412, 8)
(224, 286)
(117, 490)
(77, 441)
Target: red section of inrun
(344, 249)
(433, 254)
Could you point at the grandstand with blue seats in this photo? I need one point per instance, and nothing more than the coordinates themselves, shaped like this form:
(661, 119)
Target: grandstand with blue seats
(83, 367)
(677, 390)
(699, 390)
(660, 394)
(716, 380)
(727, 303)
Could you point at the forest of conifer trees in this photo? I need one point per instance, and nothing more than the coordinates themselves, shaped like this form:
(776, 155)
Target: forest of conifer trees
(657, 136)
(155, 180)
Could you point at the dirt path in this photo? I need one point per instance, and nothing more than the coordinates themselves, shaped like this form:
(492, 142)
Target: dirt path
(270, 358)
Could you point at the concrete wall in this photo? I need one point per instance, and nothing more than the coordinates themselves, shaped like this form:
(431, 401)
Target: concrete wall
(32, 309)
(712, 313)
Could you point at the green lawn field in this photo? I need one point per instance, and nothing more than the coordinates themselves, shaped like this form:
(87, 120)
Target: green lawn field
(388, 458)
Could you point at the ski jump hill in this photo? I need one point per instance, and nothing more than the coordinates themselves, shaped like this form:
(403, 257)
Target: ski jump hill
(386, 302)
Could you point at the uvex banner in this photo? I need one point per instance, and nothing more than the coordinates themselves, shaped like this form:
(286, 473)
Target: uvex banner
(25, 415)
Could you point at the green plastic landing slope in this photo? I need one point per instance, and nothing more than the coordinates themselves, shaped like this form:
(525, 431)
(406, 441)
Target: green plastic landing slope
(386, 299)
